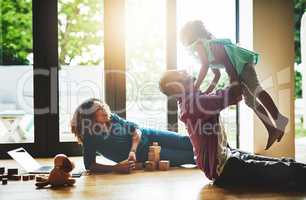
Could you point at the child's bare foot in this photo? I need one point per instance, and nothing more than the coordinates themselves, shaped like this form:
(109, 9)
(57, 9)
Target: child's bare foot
(281, 124)
(274, 134)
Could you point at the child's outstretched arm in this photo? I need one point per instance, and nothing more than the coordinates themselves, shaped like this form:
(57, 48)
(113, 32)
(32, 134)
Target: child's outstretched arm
(214, 82)
(201, 76)
(204, 64)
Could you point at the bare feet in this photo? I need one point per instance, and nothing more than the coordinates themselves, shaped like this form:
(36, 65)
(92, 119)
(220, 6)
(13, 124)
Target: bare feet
(281, 124)
(274, 134)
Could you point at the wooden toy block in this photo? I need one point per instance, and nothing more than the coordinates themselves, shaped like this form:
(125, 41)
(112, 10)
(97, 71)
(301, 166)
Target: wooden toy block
(154, 153)
(40, 178)
(150, 166)
(12, 171)
(154, 149)
(4, 181)
(164, 165)
(5, 176)
(138, 166)
(155, 143)
(15, 177)
(153, 157)
(2, 170)
(31, 176)
(25, 177)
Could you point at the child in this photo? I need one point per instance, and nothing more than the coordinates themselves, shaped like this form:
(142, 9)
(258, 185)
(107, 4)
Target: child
(239, 64)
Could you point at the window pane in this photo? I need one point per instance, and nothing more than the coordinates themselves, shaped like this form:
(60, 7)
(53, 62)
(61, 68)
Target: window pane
(145, 57)
(16, 72)
(81, 51)
(218, 17)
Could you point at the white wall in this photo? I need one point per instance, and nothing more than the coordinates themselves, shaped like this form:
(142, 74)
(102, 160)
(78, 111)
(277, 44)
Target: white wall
(267, 28)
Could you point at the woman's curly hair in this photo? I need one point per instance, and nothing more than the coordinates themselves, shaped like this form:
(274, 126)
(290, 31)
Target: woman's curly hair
(87, 111)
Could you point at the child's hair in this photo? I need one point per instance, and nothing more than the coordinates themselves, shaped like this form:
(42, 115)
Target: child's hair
(192, 31)
(87, 110)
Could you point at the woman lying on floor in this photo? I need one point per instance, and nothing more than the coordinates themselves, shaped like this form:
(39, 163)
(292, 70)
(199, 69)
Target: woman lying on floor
(101, 131)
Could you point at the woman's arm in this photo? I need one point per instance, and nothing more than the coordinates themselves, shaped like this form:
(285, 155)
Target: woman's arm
(136, 136)
(122, 167)
(100, 168)
(204, 64)
(214, 82)
(131, 129)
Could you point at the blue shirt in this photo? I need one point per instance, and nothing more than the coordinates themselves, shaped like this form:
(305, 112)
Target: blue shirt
(114, 143)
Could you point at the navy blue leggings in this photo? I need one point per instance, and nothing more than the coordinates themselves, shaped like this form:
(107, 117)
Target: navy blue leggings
(174, 146)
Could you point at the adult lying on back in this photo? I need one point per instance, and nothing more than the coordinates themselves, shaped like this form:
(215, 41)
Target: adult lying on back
(220, 163)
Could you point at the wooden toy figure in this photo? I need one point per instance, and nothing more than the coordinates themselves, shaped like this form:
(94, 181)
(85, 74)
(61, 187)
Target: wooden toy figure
(60, 174)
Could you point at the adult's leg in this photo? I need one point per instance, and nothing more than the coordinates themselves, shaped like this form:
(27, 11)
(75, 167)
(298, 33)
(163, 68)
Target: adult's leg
(170, 140)
(246, 155)
(177, 157)
(241, 171)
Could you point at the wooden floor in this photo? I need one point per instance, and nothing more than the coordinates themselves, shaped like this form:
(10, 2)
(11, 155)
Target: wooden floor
(175, 184)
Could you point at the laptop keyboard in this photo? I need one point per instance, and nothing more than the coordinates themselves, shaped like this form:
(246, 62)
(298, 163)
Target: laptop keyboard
(45, 168)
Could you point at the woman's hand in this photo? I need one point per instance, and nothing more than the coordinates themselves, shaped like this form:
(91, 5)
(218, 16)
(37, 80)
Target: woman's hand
(124, 167)
(136, 137)
(132, 156)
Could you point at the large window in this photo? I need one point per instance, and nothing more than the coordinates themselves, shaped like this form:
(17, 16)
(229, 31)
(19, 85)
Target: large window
(145, 61)
(81, 52)
(66, 51)
(219, 17)
(16, 72)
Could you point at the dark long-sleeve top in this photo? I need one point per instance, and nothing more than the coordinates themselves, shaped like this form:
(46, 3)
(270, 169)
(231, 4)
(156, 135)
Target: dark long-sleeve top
(113, 143)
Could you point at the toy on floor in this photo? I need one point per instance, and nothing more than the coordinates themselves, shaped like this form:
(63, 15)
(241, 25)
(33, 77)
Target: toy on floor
(12, 174)
(12, 171)
(25, 177)
(154, 161)
(4, 181)
(150, 166)
(164, 165)
(138, 166)
(41, 178)
(15, 177)
(2, 170)
(60, 174)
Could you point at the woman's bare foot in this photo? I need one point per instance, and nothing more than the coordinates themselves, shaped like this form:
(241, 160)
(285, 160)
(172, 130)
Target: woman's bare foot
(274, 134)
(281, 124)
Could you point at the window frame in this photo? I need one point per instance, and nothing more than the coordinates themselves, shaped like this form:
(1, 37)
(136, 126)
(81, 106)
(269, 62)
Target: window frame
(237, 9)
(40, 14)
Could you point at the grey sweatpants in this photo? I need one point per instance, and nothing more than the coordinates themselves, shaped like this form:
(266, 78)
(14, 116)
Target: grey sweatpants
(250, 85)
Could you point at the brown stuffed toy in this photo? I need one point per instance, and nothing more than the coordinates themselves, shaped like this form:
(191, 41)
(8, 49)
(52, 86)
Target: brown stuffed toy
(60, 174)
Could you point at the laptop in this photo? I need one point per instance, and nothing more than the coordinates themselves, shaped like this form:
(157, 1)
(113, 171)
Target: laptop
(30, 165)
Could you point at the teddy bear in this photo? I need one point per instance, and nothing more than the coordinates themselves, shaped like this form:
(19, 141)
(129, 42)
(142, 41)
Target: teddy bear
(60, 174)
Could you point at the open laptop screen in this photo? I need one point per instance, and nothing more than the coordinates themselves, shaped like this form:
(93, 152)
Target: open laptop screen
(24, 159)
